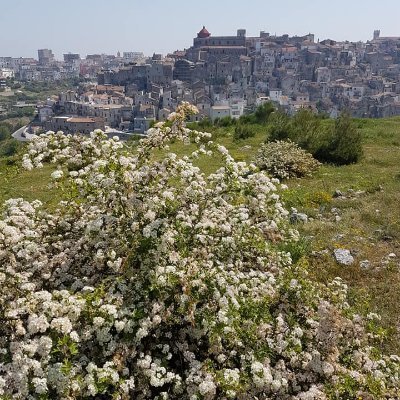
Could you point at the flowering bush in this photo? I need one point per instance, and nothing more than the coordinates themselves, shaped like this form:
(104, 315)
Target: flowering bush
(285, 159)
(154, 281)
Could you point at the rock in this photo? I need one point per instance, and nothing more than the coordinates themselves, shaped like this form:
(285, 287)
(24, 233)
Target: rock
(320, 253)
(338, 218)
(343, 257)
(296, 217)
(335, 211)
(338, 237)
(392, 255)
(387, 238)
(360, 193)
(337, 194)
(365, 264)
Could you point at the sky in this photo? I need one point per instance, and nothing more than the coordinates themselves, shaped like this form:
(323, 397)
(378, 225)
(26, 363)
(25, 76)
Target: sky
(162, 26)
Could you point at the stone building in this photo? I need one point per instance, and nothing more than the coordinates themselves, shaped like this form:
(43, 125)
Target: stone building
(83, 125)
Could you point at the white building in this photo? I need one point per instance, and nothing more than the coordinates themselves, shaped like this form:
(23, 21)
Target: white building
(220, 112)
(237, 107)
(262, 100)
(6, 73)
(275, 95)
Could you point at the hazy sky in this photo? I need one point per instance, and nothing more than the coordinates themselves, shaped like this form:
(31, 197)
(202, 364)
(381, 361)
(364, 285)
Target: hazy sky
(106, 26)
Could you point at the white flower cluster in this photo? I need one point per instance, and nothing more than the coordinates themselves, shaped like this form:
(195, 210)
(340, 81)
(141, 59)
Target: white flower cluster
(154, 281)
(285, 159)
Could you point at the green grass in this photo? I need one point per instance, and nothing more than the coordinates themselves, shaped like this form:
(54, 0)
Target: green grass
(30, 185)
(369, 225)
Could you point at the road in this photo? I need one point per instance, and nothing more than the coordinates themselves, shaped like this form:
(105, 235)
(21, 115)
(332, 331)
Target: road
(22, 134)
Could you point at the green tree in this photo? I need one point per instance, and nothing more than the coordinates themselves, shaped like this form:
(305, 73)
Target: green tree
(307, 131)
(346, 143)
(243, 131)
(263, 112)
(9, 147)
(280, 128)
(5, 132)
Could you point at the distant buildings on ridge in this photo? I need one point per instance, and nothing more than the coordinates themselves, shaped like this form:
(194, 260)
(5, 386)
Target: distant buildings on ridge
(222, 76)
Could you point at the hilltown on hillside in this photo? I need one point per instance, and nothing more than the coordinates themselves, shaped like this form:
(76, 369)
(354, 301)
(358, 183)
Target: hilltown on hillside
(222, 76)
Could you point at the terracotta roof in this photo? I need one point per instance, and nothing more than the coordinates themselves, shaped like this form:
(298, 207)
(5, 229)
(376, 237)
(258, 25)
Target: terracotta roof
(203, 33)
(222, 47)
(290, 49)
(80, 120)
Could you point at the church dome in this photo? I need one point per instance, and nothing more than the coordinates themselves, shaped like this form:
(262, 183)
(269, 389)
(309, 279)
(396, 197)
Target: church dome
(203, 33)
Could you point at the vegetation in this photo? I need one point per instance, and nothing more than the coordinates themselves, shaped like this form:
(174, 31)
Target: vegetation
(263, 113)
(154, 280)
(8, 145)
(18, 113)
(339, 143)
(285, 159)
(243, 131)
(353, 219)
(344, 145)
(42, 87)
(30, 92)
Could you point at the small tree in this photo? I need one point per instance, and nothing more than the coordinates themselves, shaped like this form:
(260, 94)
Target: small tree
(280, 127)
(5, 132)
(243, 132)
(307, 131)
(9, 147)
(263, 112)
(348, 141)
(345, 143)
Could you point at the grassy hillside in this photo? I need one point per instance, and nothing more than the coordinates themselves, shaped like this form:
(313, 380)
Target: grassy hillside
(365, 220)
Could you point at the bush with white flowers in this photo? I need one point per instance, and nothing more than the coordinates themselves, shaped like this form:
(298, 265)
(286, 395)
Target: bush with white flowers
(154, 281)
(285, 159)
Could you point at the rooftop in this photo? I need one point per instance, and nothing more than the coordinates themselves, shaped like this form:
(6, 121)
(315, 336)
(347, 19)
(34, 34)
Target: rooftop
(80, 120)
(203, 33)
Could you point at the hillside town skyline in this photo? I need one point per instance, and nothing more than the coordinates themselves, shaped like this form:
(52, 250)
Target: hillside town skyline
(93, 26)
(224, 76)
(60, 53)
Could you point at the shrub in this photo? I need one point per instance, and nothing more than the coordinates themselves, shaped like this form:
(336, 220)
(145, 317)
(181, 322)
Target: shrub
(318, 199)
(263, 112)
(224, 122)
(261, 115)
(9, 147)
(340, 144)
(345, 143)
(307, 131)
(279, 128)
(156, 281)
(5, 131)
(247, 119)
(243, 132)
(205, 123)
(285, 159)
